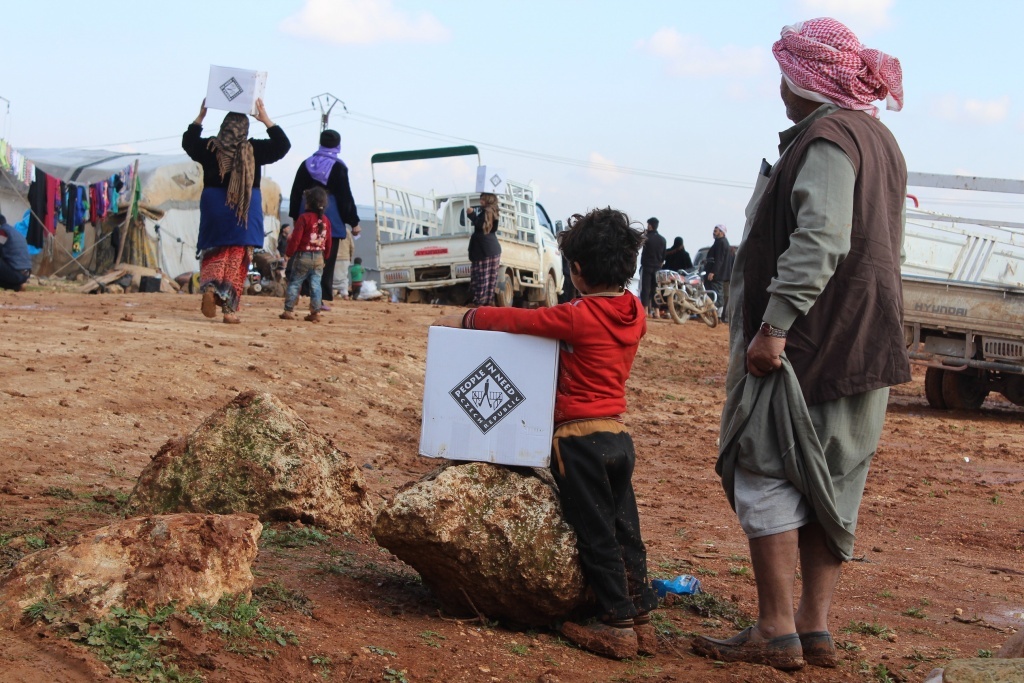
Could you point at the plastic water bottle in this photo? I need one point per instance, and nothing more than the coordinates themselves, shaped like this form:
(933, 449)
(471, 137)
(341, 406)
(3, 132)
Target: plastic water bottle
(681, 585)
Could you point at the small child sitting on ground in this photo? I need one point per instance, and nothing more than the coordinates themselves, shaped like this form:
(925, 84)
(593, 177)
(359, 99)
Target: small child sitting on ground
(309, 241)
(592, 453)
(355, 276)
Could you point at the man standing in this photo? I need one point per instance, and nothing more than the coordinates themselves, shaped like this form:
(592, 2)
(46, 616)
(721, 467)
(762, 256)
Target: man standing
(651, 259)
(15, 263)
(715, 263)
(325, 169)
(817, 276)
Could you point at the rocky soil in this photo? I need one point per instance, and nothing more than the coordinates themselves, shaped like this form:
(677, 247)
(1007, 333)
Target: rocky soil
(91, 387)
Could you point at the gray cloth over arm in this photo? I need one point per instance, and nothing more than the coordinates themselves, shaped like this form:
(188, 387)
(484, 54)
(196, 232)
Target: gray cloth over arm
(771, 432)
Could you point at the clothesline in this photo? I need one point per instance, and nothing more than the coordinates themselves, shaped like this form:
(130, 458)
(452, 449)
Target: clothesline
(15, 164)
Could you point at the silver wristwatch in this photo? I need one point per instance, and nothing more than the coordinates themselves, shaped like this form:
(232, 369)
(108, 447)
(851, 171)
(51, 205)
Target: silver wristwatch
(769, 330)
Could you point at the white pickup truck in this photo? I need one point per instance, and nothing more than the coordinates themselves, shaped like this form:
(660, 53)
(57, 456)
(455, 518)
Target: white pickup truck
(963, 299)
(423, 240)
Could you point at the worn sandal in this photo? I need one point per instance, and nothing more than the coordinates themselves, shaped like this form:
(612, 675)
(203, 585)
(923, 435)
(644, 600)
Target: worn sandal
(783, 653)
(820, 649)
(602, 639)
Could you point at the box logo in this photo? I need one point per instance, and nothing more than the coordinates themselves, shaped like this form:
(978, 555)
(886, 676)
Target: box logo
(231, 89)
(487, 395)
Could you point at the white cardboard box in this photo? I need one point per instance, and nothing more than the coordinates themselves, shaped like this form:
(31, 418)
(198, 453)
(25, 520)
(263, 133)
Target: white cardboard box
(235, 89)
(489, 397)
(490, 179)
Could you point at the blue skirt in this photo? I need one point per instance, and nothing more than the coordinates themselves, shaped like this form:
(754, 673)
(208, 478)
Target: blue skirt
(220, 227)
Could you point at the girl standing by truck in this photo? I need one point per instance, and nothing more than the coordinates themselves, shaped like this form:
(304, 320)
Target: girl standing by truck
(484, 249)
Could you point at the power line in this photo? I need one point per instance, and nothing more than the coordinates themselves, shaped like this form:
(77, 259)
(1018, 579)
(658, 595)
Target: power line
(174, 137)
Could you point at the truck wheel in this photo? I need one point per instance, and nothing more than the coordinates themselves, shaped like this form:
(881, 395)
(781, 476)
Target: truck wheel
(503, 293)
(962, 391)
(933, 388)
(677, 309)
(551, 291)
(1014, 390)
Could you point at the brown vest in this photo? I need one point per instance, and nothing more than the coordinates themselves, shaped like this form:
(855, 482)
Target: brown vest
(851, 340)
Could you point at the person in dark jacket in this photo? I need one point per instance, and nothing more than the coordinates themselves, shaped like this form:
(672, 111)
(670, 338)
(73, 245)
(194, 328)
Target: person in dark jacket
(326, 170)
(231, 206)
(715, 263)
(677, 258)
(15, 263)
(484, 249)
(651, 260)
(726, 278)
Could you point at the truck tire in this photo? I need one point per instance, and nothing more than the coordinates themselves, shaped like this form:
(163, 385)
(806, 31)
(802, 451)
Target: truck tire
(933, 388)
(677, 309)
(503, 293)
(550, 291)
(1014, 390)
(963, 391)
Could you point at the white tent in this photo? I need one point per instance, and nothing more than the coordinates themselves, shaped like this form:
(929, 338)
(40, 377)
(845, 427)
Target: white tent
(169, 202)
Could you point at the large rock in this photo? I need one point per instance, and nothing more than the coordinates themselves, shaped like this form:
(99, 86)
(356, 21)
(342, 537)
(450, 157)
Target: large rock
(149, 561)
(984, 671)
(490, 539)
(256, 455)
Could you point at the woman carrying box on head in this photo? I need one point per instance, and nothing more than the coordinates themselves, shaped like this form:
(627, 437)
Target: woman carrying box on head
(231, 206)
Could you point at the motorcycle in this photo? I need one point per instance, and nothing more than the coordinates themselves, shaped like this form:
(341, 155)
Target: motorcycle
(683, 293)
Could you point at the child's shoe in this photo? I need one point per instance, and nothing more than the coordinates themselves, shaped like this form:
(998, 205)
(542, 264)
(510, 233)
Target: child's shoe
(313, 317)
(287, 315)
(603, 639)
(646, 636)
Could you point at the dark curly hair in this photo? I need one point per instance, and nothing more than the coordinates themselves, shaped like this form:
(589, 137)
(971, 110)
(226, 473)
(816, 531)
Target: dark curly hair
(604, 244)
(315, 200)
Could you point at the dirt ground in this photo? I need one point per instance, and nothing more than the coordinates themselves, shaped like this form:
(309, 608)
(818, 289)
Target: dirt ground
(92, 385)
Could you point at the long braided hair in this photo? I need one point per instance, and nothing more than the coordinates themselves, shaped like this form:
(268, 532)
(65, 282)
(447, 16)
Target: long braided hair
(235, 157)
(489, 204)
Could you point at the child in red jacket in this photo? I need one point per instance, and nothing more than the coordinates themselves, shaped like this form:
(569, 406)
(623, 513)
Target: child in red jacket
(308, 244)
(593, 454)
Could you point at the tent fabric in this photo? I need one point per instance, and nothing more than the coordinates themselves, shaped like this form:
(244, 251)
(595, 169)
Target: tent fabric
(171, 187)
(89, 166)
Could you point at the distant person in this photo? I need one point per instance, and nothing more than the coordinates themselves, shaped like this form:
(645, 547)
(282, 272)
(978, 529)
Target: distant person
(307, 245)
(484, 249)
(356, 274)
(346, 250)
(815, 339)
(677, 258)
(231, 205)
(15, 263)
(715, 262)
(326, 170)
(282, 239)
(651, 261)
(592, 453)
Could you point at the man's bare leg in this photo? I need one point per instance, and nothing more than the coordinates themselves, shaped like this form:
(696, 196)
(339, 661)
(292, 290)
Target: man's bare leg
(774, 558)
(820, 570)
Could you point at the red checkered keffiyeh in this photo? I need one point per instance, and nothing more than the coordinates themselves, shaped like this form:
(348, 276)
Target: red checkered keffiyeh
(823, 57)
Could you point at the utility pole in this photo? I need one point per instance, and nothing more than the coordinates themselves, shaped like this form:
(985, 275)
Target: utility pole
(325, 102)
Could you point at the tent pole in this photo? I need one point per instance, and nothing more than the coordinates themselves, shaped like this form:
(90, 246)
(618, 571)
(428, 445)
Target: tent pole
(128, 216)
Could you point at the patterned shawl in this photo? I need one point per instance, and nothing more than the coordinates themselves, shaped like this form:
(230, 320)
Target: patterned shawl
(235, 157)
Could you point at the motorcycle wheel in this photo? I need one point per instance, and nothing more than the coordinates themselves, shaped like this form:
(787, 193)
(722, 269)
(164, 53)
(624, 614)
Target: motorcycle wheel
(677, 307)
(710, 316)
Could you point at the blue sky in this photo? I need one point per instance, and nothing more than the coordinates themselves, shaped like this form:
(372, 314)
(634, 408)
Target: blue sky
(686, 92)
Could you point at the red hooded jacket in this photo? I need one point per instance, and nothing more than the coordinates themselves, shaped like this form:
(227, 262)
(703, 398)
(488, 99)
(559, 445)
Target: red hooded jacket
(599, 335)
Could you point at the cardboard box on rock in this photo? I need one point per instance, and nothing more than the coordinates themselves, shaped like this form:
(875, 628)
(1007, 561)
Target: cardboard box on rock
(489, 397)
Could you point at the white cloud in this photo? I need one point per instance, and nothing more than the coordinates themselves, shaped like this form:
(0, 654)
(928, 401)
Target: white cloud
(980, 112)
(600, 170)
(860, 15)
(363, 22)
(688, 56)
